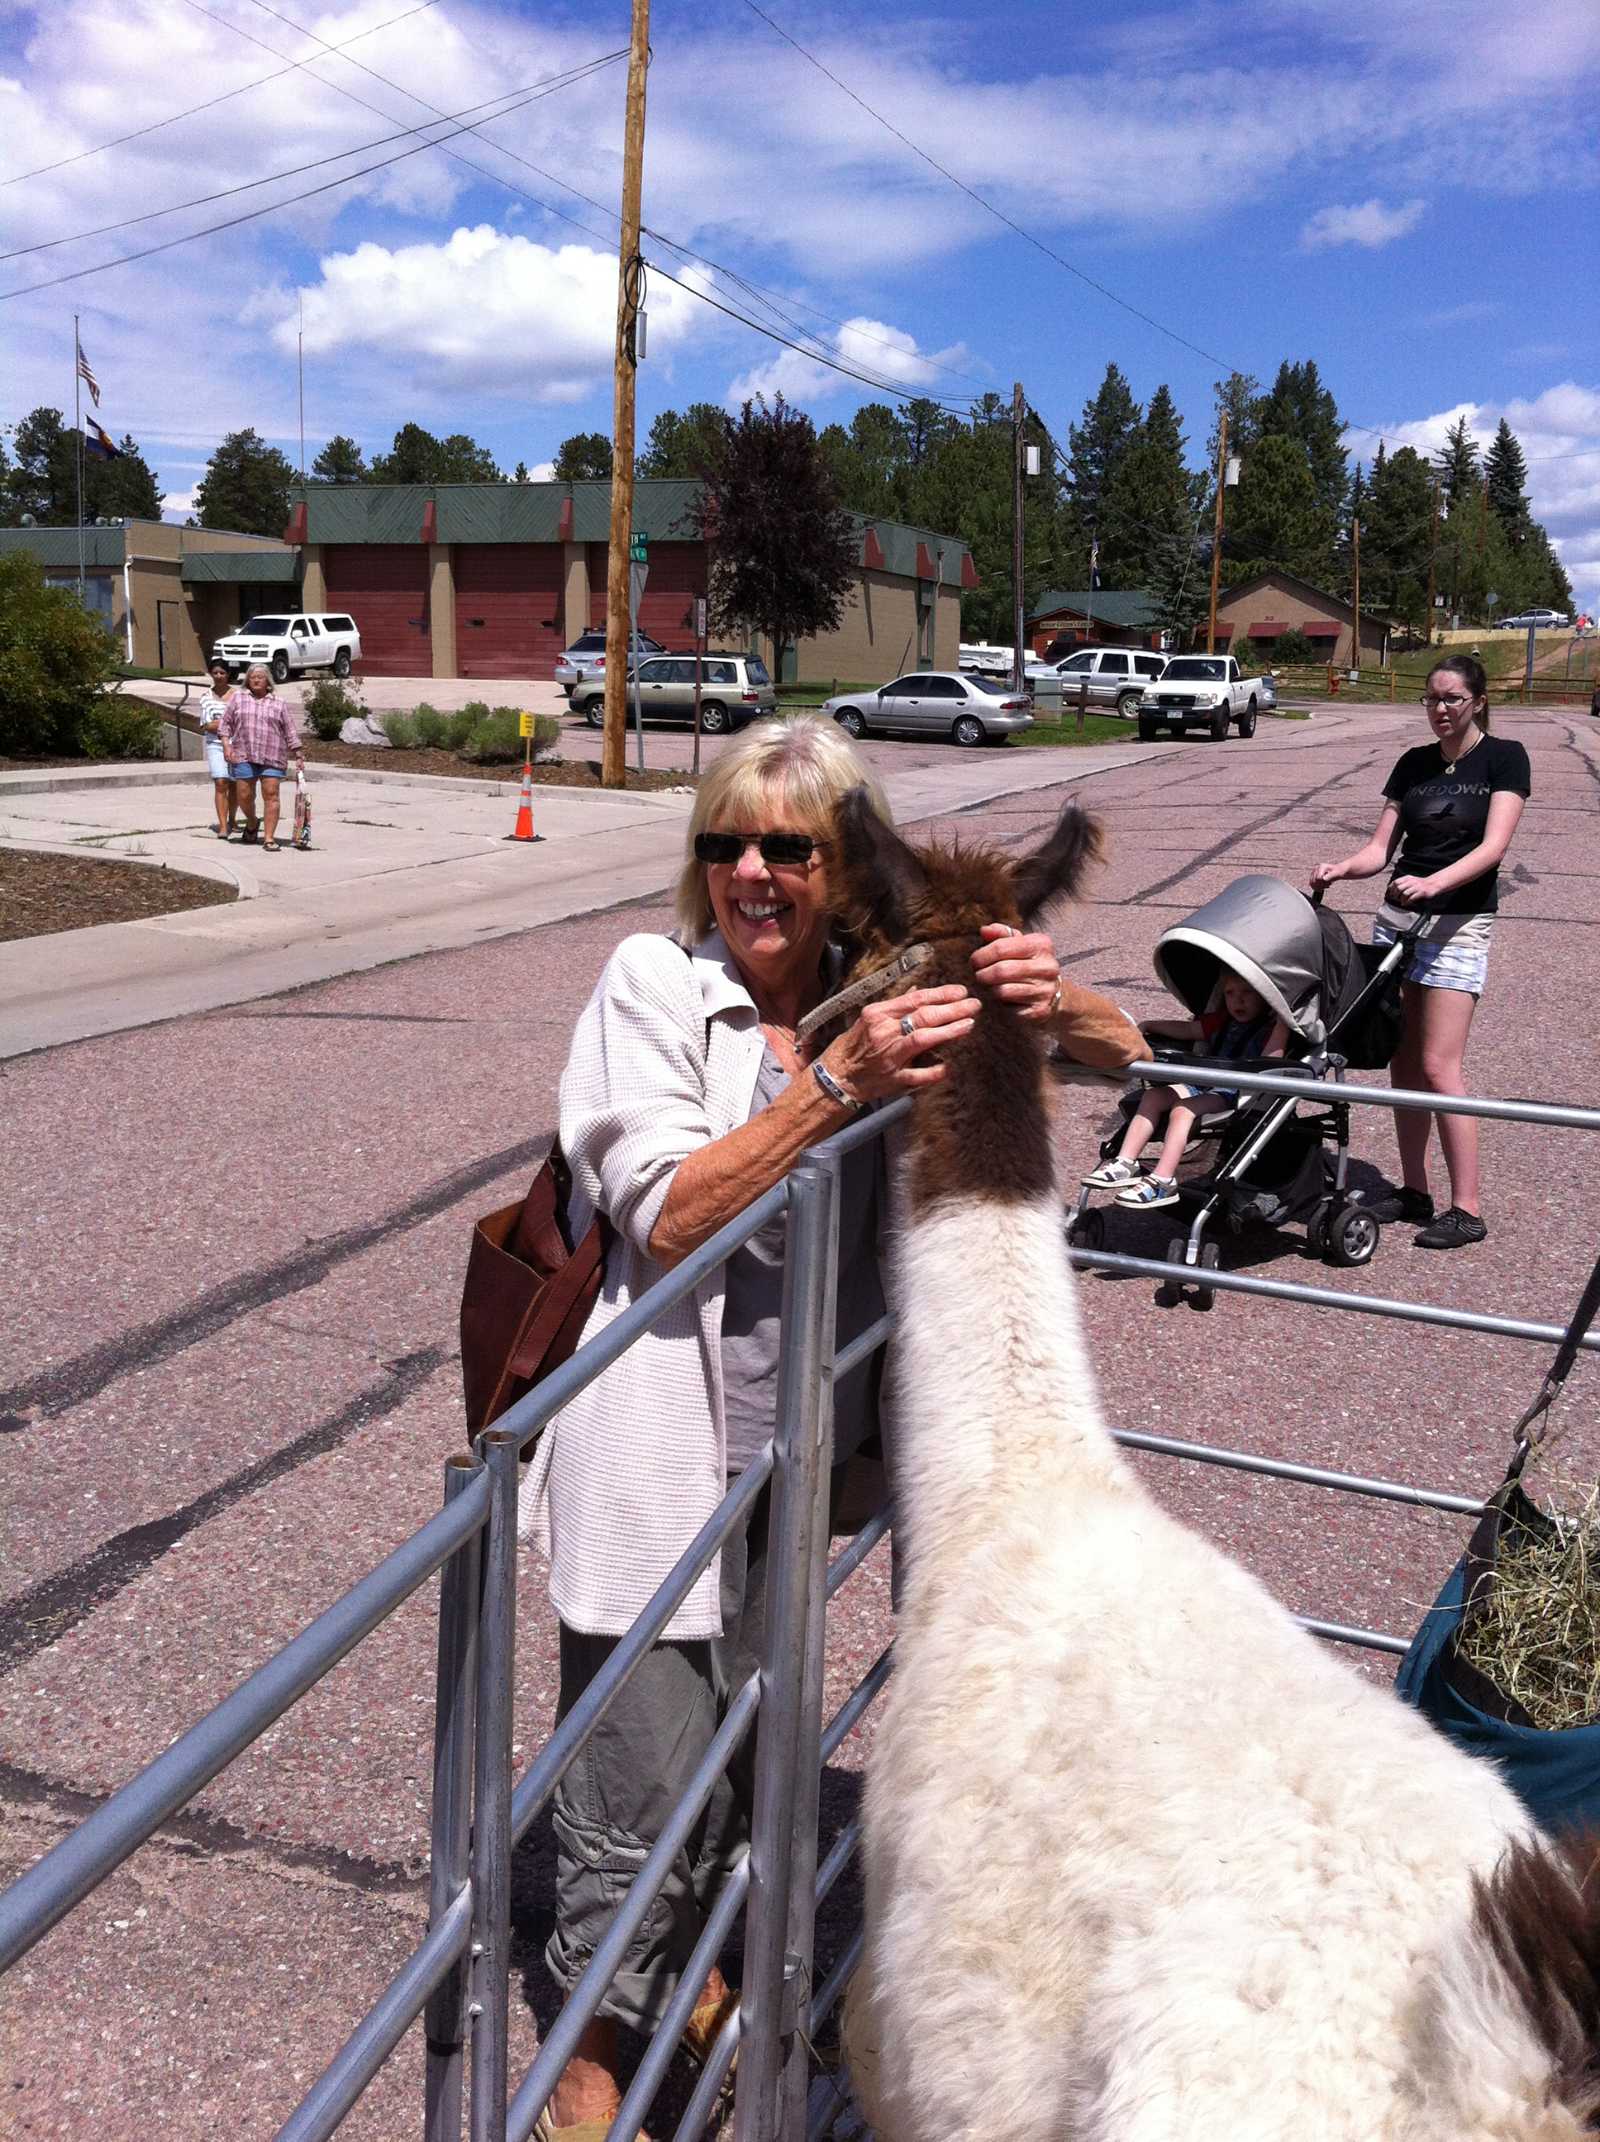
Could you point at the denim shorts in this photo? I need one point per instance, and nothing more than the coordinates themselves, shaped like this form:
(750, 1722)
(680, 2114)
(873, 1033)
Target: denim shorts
(242, 770)
(1459, 960)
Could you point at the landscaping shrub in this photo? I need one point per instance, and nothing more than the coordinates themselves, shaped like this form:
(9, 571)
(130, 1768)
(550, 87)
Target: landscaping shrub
(495, 739)
(329, 705)
(458, 727)
(118, 728)
(401, 730)
(54, 658)
(430, 726)
(1293, 647)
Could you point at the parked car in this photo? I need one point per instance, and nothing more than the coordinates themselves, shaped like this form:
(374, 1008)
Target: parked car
(1269, 692)
(941, 702)
(734, 689)
(290, 642)
(1115, 676)
(1207, 692)
(1541, 620)
(985, 658)
(586, 657)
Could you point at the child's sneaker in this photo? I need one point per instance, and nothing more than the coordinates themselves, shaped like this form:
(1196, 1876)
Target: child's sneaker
(1112, 1175)
(1148, 1195)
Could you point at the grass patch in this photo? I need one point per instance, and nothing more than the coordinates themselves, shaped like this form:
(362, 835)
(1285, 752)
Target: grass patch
(1097, 729)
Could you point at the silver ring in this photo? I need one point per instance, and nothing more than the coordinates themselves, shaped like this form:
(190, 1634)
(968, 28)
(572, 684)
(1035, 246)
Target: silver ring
(908, 1025)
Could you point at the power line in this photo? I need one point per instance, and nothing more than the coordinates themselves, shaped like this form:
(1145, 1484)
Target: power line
(893, 388)
(232, 222)
(210, 104)
(271, 178)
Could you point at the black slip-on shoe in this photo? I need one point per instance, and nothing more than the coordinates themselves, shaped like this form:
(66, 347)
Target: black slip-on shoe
(1454, 1229)
(1400, 1203)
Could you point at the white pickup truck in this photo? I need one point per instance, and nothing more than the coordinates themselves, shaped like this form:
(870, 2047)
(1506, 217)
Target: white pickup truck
(1201, 692)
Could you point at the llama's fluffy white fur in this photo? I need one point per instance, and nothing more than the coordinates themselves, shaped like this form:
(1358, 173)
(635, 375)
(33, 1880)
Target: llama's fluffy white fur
(1144, 1862)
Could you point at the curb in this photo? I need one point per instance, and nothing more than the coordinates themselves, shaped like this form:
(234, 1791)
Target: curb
(214, 868)
(48, 781)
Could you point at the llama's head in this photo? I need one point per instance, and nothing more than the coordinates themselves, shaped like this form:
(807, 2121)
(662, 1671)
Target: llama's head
(983, 1130)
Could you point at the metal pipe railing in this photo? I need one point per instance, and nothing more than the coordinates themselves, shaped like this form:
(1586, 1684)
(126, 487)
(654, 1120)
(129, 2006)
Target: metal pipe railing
(33, 1903)
(450, 1829)
(1277, 1084)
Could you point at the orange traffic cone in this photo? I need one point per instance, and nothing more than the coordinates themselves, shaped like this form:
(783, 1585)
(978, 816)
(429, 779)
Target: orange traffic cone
(524, 829)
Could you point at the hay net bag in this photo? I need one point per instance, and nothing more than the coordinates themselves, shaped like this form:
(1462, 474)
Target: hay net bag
(1507, 1661)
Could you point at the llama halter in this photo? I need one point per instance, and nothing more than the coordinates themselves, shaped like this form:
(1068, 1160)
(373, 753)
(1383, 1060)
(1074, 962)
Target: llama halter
(862, 991)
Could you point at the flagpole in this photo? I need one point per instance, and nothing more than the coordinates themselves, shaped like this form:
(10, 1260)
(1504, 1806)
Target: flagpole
(77, 425)
(300, 349)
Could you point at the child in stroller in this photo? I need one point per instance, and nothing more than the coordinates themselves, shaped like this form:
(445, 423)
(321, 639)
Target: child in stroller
(1241, 1029)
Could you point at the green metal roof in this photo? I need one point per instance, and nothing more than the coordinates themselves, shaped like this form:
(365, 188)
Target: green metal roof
(664, 510)
(241, 568)
(1130, 608)
(57, 548)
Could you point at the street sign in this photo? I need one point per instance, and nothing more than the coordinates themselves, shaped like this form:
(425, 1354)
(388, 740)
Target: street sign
(639, 550)
(524, 723)
(638, 574)
(699, 617)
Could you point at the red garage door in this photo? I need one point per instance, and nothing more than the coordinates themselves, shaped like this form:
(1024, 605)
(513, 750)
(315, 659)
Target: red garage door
(508, 609)
(677, 574)
(384, 587)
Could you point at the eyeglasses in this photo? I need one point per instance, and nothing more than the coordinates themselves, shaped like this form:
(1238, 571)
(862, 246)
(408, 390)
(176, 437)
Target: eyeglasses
(1450, 701)
(779, 849)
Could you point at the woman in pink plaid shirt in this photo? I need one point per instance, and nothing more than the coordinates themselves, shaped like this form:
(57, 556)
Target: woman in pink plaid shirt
(260, 734)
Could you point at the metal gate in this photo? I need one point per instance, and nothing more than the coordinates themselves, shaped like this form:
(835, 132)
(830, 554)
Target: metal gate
(458, 1976)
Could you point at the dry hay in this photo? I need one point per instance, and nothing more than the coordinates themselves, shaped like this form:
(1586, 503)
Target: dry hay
(1535, 1631)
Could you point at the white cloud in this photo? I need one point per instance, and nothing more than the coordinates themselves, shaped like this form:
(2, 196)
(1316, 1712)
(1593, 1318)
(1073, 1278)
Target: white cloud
(485, 309)
(870, 346)
(1363, 223)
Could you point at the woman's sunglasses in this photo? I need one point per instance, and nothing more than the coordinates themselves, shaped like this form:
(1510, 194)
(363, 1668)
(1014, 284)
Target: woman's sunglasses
(792, 849)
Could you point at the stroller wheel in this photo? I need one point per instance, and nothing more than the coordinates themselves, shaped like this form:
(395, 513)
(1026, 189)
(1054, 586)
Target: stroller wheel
(1350, 1235)
(1317, 1231)
(1170, 1291)
(1089, 1230)
(1205, 1297)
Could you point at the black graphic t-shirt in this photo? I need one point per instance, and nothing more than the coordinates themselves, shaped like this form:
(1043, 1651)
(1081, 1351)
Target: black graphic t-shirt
(1444, 809)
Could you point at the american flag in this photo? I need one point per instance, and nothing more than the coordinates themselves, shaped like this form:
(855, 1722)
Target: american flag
(88, 377)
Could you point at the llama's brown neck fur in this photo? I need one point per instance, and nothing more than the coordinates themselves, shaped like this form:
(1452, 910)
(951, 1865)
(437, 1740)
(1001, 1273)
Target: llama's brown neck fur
(983, 1130)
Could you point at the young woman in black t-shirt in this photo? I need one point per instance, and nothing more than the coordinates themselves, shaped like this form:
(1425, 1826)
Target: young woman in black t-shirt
(1452, 806)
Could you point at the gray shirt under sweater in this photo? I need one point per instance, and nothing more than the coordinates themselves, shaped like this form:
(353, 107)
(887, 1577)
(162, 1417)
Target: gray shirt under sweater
(753, 1298)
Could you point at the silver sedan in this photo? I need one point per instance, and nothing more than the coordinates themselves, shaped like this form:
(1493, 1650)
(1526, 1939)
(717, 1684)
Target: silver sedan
(940, 702)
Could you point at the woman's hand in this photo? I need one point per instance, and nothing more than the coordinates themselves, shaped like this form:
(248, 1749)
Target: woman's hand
(1411, 892)
(1326, 874)
(882, 1053)
(1020, 968)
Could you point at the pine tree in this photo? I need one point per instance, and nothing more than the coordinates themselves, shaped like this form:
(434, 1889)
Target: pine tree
(1506, 474)
(520, 473)
(1109, 427)
(44, 480)
(584, 458)
(1457, 464)
(683, 445)
(418, 457)
(245, 486)
(1300, 408)
(1274, 517)
(121, 490)
(341, 461)
(870, 461)
(1147, 508)
(1240, 395)
(1395, 525)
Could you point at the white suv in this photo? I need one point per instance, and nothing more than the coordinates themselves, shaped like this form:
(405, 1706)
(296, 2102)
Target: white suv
(1115, 676)
(291, 643)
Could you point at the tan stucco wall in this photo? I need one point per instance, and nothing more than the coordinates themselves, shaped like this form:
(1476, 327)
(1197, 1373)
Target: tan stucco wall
(876, 639)
(313, 579)
(1295, 609)
(575, 590)
(442, 609)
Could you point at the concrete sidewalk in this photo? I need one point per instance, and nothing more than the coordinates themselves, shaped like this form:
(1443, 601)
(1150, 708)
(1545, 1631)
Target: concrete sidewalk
(400, 864)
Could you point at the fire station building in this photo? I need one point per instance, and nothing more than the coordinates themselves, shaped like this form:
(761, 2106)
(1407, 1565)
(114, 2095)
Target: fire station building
(494, 580)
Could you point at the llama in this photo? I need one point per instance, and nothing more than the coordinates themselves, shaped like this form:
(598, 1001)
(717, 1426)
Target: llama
(1144, 1861)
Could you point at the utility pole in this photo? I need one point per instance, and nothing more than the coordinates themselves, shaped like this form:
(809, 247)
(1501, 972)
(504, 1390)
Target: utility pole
(1433, 552)
(1355, 566)
(1019, 656)
(630, 272)
(1216, 531)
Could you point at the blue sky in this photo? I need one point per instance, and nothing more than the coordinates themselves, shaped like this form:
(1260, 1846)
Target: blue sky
(1406, 192)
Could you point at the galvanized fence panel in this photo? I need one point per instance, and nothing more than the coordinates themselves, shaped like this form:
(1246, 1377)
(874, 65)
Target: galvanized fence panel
(458, 1976)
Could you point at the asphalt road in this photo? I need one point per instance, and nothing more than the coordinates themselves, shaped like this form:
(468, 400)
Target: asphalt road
(228, 1385)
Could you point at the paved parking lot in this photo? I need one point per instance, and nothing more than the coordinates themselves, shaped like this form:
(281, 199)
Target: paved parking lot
(229, 1386)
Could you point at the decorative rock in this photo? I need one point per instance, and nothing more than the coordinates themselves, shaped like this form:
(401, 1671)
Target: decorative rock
(362, 729)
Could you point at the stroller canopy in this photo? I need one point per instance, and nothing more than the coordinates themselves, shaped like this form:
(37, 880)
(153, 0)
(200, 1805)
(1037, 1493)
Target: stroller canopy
(1266, 933)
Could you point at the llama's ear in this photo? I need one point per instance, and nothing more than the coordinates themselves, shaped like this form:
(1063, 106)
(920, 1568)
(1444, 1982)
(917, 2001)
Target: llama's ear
(1058, 867)
(879, 873)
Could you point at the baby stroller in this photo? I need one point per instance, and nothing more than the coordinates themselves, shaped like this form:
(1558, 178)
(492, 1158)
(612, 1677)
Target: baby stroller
(1269, 1163)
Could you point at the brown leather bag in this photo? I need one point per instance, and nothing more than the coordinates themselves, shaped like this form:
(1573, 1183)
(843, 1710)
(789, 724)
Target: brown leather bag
(529, 1289)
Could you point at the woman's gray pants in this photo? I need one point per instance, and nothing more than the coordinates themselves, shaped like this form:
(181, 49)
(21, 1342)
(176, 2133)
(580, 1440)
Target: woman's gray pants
(611, 1805)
